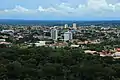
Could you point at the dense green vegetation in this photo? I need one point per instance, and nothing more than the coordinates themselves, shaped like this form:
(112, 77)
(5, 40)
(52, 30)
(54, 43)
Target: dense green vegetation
(40, 63)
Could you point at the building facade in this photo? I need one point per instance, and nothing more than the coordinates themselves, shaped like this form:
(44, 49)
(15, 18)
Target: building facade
(74, 26)
(66, 26)
(68, 36)
(54, 34)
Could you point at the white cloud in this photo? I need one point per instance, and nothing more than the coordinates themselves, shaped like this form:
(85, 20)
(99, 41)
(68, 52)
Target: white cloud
(50, 9)
(17, 8)
(97, 8)
(96, 4)
(40, 9)
(20, 9)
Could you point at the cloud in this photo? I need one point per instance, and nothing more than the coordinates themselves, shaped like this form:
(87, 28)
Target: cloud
(96, 4)
(17, 8)
(50, 9)
(20, 9)
(93, 8)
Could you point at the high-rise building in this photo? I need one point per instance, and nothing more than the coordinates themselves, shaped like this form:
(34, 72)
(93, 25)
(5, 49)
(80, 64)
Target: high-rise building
(66, 26)
(54, 34)
(68, 36)
(74, 26)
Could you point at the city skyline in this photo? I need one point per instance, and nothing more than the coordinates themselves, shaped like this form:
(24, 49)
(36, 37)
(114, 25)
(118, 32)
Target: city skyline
(62, 9)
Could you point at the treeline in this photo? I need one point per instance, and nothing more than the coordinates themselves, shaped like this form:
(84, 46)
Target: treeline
(40, 63)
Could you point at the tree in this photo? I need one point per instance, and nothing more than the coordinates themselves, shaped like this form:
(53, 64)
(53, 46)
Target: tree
(44, 63)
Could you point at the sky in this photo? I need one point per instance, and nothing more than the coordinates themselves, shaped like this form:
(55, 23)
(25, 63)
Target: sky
(60, 9)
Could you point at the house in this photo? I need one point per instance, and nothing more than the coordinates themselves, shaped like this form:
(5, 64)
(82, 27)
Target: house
(116, 54)
(40, 43)
(5, 44)
(58, 45)
(2, 40)
(105, 53)
(117, 49)
(74, 46)
(90, 52)
(7, 31)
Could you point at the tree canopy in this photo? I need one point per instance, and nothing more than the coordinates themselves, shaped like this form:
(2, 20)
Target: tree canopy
(44, 63)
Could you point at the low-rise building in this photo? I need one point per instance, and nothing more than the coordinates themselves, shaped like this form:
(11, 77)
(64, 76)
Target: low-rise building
(116, 54)
(90, 52)
(40, 43)
(2, 40)
(74, 46)
(5, 44)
